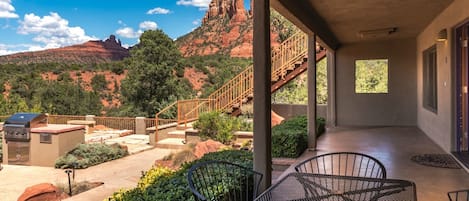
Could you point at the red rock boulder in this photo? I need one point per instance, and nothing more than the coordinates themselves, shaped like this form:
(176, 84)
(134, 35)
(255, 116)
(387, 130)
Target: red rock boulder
(43, 191)
(206, 147)
(276, 119)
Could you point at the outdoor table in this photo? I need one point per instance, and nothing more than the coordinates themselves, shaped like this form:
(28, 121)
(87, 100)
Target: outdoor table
(307, 186)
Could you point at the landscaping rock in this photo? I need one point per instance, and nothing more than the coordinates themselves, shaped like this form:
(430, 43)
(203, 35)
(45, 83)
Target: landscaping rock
(43, 191)
(276, 119)
(206, 147)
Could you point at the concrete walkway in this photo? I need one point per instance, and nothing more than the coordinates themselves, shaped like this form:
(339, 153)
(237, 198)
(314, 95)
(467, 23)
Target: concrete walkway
(117, 174)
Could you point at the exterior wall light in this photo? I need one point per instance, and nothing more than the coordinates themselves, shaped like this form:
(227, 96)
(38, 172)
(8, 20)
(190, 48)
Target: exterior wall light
(442, 36)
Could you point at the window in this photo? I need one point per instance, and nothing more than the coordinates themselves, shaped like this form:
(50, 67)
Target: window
(430, 98)
(371, 76)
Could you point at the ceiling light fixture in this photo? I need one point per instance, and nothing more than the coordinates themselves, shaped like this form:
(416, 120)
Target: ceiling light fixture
(373, 33)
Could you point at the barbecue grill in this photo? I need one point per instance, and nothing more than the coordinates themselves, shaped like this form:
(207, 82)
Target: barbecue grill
(18, 126)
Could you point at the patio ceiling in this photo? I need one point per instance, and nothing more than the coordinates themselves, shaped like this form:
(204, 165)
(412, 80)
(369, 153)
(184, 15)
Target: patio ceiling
(340, 21)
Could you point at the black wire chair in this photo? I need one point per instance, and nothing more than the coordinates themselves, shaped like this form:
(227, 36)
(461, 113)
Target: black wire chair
(343, 164)
(220, 180)
(459, 195)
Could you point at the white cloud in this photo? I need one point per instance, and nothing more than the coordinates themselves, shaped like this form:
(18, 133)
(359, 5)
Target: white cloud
(196, 22)
(197, 3)
(52, 30)
(158, 10)
(148, 25)
(12, 49)
(7, 10)
(129, 32)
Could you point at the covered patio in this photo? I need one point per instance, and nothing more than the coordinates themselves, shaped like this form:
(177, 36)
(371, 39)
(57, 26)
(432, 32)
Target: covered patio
(394, 147)
(424, 108)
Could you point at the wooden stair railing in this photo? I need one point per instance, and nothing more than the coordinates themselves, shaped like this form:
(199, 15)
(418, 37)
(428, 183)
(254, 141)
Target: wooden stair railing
(286, 58)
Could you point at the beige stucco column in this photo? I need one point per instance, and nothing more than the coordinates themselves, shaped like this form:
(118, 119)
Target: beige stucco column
(312, 91)
(331, 98)
(262, 96)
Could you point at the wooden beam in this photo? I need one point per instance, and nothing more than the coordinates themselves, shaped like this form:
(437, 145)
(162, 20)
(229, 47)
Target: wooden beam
(302, 14)
(262, 97)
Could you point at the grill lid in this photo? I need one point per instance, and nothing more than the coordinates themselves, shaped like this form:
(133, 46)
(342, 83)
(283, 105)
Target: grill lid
(26, 119)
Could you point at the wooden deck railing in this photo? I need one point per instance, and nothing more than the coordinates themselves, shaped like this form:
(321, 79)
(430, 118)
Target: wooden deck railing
(119, 123)
(63, 119)
(291, 51)
(3, 117)
(284, 58)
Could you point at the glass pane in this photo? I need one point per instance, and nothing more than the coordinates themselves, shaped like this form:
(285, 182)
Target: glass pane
(371, 76)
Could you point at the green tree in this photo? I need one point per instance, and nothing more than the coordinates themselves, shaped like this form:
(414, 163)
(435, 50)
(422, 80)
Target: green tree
(14, 103)
(296, 91)
(371, 76)
(150, 84)
(68, 99)
(99, 83)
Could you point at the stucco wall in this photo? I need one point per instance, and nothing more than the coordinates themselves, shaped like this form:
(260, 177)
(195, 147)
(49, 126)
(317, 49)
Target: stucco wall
(43, 154)
(439, 126)
(288, 111)
(398, 106)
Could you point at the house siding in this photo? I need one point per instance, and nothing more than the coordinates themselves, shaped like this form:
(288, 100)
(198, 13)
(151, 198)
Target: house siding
(440, 126)
(395, 108)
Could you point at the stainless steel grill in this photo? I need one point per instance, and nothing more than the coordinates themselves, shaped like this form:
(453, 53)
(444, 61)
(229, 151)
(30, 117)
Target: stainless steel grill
(18, 126)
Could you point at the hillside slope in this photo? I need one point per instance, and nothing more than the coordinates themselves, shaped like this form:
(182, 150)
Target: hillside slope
(86, 53)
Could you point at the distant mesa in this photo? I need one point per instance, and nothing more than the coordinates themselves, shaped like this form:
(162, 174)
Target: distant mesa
(95, 51)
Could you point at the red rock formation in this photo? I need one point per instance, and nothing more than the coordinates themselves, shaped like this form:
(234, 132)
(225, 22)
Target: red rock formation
(226, 29)
(233, 9)
(40, 192)
(88, 53)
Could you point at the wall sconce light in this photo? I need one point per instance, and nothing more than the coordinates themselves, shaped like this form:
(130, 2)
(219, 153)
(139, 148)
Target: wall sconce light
(442, 36)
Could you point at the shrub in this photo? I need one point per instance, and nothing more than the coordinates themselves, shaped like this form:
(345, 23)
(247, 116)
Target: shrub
(149, 177)
(217, 126)
(288, 143)
(86, 155)
(289, 139)
(162, 184)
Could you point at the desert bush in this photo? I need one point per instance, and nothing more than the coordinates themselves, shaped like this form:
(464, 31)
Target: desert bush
(162, 184)
(217, 126)
(289, 139)
(86, 155)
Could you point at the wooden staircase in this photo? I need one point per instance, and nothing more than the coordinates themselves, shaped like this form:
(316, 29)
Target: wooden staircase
(289, 60)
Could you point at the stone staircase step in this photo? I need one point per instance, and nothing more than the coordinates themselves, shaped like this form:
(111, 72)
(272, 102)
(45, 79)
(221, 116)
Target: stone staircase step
(171, 143)
(180, 134)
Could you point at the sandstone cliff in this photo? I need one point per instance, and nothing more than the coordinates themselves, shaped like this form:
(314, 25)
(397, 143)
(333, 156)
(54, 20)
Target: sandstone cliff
(226, 29)
(86, 53)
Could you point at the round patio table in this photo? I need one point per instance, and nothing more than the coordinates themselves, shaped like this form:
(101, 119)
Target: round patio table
(318, 187)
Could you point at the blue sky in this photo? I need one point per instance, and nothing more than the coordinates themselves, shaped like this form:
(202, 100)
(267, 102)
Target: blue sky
(28, 25)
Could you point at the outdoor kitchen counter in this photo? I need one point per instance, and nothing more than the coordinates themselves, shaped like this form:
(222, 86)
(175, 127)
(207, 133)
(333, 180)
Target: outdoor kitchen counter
(57, 128)
(53, 128)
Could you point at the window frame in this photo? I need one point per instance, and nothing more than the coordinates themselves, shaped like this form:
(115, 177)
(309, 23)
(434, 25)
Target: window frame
(387, 75)
(430, 79)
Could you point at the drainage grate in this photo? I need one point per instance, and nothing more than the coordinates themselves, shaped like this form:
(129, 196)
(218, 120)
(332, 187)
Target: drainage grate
(436, 160)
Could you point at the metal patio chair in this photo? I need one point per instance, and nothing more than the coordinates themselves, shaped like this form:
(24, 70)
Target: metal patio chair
(220, 180)
(460, 195)
(343, 164)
